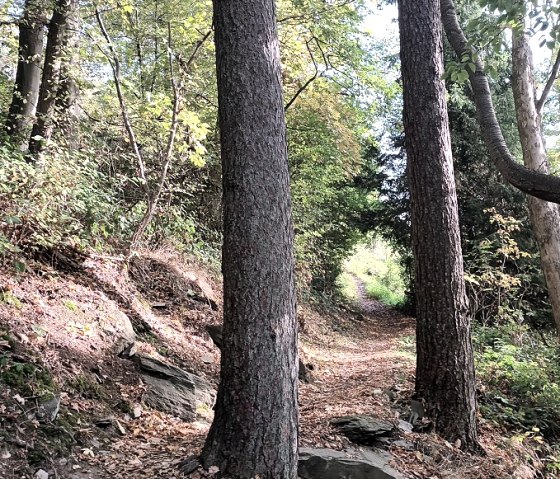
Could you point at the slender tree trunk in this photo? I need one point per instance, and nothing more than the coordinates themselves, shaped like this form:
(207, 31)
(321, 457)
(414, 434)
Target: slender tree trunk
(43, 127)
(545, 216)
(445, 369)
(28, 74)
(68, 92)
(254, 433)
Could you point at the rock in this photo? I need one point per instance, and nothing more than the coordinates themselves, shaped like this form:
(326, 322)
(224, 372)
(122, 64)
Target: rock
(353, 464)
(41, 474)
(137, 411)
(174, 391)
(363, 430)
(215, 332)
(405, 426)
(126, 337)
(48, 410)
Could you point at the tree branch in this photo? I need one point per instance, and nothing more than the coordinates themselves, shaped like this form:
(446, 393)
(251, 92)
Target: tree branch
(549, 84)
(309, 81)
(539, 185)
(115, 66)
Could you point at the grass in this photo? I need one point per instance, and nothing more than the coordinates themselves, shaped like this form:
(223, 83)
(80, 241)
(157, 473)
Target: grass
(378, 267)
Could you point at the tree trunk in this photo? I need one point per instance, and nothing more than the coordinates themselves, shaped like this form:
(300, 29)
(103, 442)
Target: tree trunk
(254, 433)
(445, 369)
(545, 216)
(43, 127)
(534, 183)
(68, 90)
(28, 74)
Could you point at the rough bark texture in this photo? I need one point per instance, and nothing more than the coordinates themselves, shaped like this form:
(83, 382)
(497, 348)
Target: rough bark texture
(56, 38)
(534, 183)
(545, 216)
(28, 73)
(445, 370)
(254, 433)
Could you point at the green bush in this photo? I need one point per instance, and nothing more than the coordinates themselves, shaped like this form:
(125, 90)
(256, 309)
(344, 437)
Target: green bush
(62, 199)
(522, 377)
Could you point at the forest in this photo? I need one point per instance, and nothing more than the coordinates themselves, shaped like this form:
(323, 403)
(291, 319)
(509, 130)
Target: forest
(283, 239)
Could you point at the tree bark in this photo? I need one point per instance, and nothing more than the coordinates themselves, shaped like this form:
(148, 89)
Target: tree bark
(545, 216)
(534, 183)
(68, 92)
(445, 377)
(28, 73)
(43, 127)
(254, 433)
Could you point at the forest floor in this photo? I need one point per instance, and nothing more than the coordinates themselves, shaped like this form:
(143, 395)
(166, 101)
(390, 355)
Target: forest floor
(60, 323)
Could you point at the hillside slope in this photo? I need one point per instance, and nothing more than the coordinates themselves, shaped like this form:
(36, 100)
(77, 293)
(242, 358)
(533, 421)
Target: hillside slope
(72, 330)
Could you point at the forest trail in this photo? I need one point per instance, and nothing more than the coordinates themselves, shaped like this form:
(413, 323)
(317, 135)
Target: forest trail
(362, 361)
(58, 331)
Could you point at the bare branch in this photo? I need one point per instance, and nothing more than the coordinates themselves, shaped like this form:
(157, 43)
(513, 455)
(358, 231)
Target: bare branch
(308, 82)
(549, 84)
(115, 66)
(186, 65)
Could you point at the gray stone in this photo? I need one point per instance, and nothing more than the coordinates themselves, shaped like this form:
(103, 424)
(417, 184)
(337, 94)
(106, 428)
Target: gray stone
(174, 391)
(353, 464)
(363, 430)
(48, 410)
(405, 426)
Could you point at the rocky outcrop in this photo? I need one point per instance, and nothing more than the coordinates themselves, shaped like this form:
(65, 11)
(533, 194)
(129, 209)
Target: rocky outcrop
(352, 464)
(174, 391)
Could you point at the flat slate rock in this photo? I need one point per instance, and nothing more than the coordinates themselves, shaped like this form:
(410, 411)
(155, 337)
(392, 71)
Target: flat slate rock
(353, 464)
(363, 430)
(174, 391)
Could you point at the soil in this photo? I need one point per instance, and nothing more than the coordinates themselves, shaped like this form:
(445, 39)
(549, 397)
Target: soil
(62, 320)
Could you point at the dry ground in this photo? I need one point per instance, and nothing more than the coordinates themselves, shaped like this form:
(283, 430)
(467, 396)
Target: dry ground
(65, 321)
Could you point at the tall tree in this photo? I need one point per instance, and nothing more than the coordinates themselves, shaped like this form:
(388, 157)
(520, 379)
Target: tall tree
(445, 368)
(28, 74)
(254, 433)
(545, 216)
(533, 178)
(64, 10)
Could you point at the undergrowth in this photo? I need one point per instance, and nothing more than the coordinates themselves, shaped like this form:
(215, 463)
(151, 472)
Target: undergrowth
(377, 266)
(520, 385)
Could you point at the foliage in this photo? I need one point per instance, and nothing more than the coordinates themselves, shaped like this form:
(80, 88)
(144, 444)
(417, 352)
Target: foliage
(522, 377)
(378, 267)
(504, 283)
(64, 201)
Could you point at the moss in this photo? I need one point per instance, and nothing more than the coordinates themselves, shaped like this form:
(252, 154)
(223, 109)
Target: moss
(30, 379)
(87, 386)
(71, 305)
(7, 297)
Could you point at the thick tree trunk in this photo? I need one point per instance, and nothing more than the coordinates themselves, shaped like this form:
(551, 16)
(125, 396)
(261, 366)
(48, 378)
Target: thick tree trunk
(545, 216)
(28, 74)
(254, 433)
(445, 368)
(43, 127)
(534, 183)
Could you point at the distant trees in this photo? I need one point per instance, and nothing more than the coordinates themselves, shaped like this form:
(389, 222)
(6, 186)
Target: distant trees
(28, 75)
(254, 433)
(445, 365)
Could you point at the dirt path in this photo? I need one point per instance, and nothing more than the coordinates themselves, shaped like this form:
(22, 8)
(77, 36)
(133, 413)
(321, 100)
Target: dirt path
(357, 362)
